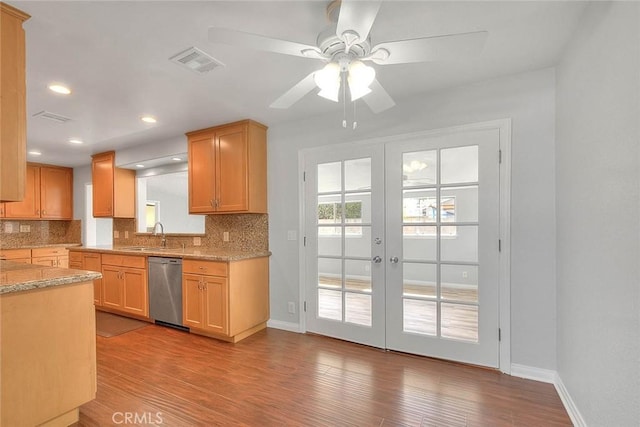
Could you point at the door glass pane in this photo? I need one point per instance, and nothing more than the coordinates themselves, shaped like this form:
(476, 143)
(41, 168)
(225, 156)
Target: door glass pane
(459, 282)
(330, 273)
(459, 204)
(330, 304)
(419, 316)
(458, 165)
(357, 309)
(357, 242)
(419, 168)
(419, 242)
(330, 209)
(329, 177)
(419, 280)
(463, 246)
(357, 208)
(330, 241)
(357, 174)
(357, 275)
(459, 322)
(420, 205)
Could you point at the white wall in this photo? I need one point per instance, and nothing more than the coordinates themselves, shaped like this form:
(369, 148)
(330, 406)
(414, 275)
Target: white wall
(598, 216)
(529, 100)
(103, 227)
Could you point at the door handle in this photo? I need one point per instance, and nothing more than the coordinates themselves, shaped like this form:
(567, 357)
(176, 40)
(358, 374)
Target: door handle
(393, 260)
(377, 260)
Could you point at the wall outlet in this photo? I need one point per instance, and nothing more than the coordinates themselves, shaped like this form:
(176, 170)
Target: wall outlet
(116, 234)
(25, 228)
(197, 241)
(292, 307)
(465, 275)
(8, 227)
(225, 236)
(126, 234)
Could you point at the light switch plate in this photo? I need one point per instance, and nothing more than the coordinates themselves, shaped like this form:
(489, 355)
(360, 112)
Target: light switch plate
(225, 236)
(126, 234)
(292, 235)
(197, 241)
(116, 234)
(25, 228)
(8, 227)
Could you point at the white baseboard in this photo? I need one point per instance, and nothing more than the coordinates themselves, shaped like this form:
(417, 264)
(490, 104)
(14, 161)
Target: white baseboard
(285, 326)
(551, 377)
(569, 404)
(531, 373)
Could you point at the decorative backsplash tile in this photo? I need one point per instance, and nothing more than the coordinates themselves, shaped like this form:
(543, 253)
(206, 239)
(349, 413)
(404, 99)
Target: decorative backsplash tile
(17, 233)
(247, 232)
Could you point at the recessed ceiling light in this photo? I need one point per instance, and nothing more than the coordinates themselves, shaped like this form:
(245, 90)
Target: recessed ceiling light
(176, 159)
(57, 88)
(34, 153)
(148, 119)
(76, 141)
(139, 166)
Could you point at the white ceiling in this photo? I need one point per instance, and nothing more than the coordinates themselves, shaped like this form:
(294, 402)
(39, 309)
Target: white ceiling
(114, 56)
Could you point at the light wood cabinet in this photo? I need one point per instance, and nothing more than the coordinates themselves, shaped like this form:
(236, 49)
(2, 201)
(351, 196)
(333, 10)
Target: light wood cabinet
(124, 284)
(88, 261)
(113, 188)
(16, 255)
(228, 169)
(51, 257)
(13, 107)
(48, 195)
(226, 300)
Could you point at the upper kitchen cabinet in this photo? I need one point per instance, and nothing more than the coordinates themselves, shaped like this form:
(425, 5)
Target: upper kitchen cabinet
(48, 194)
(228, 169)
(13, 120)
(113, 188)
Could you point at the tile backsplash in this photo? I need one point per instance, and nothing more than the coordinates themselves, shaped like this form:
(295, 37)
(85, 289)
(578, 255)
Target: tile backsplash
(247, 232)
(17, 233)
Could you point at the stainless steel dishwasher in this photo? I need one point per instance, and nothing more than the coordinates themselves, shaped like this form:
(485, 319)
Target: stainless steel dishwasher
(165, 291)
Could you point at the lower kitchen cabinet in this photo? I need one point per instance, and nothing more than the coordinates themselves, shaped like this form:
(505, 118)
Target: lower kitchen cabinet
(124, 284)
(92, 261)
(51, 257)
(226, 300)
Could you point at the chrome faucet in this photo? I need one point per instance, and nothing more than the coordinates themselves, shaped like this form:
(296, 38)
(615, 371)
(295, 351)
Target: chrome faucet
(163, 242)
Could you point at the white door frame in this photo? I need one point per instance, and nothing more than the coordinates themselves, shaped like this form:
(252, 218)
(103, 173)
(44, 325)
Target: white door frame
(504, 311)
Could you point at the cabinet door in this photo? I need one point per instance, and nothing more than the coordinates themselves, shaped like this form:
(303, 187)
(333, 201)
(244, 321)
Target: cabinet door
(113, 287)
(63, 262)
(91, 261)
(56, 193)
(102, 177)
(215, 301)
(202, 174)
(49, 261)
(231, 169)
(192, 306)
(136, 291)
(29, 207)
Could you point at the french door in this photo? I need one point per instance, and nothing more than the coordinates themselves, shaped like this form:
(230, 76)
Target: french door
(402, 244)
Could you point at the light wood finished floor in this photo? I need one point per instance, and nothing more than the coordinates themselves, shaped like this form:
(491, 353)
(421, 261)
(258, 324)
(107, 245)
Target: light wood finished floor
(277, 378)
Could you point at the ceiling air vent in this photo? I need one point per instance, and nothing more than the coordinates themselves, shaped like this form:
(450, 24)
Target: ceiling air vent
(52, 116)
(196, 60)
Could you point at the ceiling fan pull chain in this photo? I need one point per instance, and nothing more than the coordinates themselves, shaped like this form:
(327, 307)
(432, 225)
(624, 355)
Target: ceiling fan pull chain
(355, 123)
(344, 101)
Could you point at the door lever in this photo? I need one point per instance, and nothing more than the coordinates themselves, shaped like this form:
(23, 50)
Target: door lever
(393, 260)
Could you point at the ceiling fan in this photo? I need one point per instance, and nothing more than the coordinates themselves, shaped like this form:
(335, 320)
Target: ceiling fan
(345, 46)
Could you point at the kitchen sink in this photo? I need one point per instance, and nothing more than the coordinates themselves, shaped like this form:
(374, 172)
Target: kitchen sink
(143, 248)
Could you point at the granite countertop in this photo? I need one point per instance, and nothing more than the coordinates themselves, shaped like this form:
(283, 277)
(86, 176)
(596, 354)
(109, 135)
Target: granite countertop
(49, 245)
(19, 277)
(187, 253)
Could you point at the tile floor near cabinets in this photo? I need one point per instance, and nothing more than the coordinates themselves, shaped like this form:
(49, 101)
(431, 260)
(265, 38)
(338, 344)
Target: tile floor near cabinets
(161, 376)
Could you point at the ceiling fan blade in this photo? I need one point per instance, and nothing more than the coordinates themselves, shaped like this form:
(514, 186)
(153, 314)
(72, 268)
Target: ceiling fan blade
(438, 48)
(378, 100)
(357, 16)
(296, 93)
(258, 42)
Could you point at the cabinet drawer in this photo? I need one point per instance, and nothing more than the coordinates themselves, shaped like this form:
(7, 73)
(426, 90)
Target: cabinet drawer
(15, 254)
(209, 268)
(124, 260)
(42, 252)
(75, 257)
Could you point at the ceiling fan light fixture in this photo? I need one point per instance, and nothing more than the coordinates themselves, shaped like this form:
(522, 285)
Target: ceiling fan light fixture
(328, 80)
(360, 78)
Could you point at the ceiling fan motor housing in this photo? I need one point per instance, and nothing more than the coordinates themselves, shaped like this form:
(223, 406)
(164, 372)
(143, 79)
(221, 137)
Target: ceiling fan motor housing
(331, 45)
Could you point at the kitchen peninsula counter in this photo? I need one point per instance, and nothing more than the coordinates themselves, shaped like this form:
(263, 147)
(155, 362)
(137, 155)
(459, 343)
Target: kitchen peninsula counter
(48, 351)
(187, 253)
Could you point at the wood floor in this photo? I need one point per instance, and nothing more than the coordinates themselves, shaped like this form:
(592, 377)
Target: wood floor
(160, 376)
